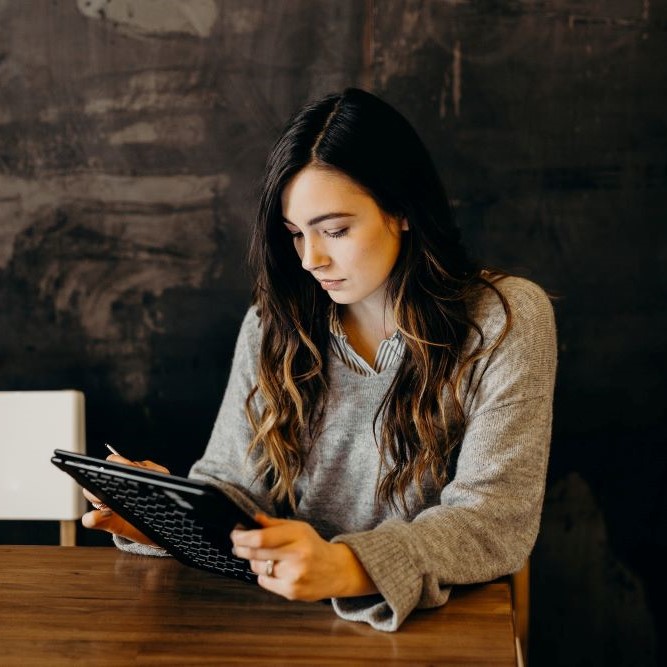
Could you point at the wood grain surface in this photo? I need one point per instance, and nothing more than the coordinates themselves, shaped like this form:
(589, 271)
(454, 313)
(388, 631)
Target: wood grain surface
(99, 606)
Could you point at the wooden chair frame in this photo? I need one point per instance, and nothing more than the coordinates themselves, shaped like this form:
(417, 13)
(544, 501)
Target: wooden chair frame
(521, 605)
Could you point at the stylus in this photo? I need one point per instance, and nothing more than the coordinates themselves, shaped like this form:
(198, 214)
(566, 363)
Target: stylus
(111, 449)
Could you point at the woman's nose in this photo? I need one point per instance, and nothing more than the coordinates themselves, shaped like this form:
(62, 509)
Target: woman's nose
(313, 256)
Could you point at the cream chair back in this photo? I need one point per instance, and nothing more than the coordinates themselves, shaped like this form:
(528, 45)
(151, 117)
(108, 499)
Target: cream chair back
(32, 425)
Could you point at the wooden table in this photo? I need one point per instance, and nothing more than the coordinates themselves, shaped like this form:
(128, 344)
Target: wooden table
(99, 606)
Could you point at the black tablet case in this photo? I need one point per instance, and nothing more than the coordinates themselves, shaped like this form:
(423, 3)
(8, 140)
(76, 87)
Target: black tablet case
(190, 519)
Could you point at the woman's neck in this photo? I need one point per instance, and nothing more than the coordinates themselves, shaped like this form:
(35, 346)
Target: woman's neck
(366, 327)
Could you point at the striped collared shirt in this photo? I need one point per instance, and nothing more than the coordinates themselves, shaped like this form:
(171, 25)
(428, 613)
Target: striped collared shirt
(389, 353)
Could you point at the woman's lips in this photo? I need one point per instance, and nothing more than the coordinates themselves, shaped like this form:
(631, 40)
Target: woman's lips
(331, 284)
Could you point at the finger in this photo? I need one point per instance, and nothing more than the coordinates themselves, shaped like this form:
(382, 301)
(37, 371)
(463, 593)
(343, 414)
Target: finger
(110, 522)
(260, 555)
(259, 567)
(151, 465)
(97, 519)
(279, 582)
(117, 458)
(271, 583)
(277, 535)
(91, 498)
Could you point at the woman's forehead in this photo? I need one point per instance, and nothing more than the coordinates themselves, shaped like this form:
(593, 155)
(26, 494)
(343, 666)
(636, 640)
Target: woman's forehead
(314, 190)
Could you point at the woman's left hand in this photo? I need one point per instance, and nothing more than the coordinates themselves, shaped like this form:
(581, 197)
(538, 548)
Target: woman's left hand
(292, 560)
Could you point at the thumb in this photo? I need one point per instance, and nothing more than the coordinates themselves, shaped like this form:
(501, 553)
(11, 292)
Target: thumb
(112, 523)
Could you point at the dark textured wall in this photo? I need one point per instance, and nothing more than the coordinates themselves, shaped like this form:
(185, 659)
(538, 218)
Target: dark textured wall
(132, 138)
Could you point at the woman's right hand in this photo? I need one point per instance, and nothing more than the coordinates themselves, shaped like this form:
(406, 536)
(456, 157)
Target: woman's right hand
(105, 518)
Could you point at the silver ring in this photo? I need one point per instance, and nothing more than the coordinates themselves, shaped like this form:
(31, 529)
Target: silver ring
(99, 506)
(268, 570)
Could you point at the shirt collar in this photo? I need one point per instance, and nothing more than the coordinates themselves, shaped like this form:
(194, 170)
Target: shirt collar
(389, 353)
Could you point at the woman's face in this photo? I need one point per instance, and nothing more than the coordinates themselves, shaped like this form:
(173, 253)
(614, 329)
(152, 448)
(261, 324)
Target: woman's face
(343, 239)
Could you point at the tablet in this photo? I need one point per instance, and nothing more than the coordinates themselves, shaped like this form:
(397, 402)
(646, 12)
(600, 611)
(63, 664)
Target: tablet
(192, 520)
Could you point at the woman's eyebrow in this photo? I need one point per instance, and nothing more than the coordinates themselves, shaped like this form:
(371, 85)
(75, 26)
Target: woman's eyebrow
(321, 218)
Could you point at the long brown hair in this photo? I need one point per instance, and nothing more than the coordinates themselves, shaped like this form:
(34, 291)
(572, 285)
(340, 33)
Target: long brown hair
(431, 287)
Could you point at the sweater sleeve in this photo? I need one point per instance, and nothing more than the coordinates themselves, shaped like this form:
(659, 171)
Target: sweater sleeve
(225, 463)
(488, 517)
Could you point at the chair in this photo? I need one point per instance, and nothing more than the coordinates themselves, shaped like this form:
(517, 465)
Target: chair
(32, 425)
(521, 604)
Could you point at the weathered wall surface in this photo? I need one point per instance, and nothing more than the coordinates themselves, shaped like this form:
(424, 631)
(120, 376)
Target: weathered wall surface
(132, 137)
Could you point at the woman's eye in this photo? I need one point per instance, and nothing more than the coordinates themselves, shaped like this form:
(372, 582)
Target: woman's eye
(296, 235)
(338, 233)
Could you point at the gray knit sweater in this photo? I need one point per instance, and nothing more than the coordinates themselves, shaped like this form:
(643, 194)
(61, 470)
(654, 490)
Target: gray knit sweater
(481, 525)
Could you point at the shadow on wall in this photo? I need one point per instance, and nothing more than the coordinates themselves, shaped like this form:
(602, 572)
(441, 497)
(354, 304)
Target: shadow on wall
(578, 566)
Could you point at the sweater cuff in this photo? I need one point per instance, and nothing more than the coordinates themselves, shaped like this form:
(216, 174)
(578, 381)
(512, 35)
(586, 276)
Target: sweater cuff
(136, 548)
(398, 580)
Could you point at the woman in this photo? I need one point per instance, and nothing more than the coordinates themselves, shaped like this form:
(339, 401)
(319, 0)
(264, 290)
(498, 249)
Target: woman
(388, 399)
